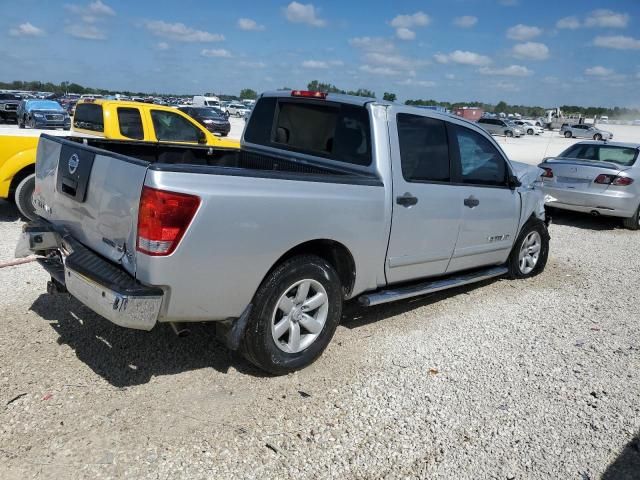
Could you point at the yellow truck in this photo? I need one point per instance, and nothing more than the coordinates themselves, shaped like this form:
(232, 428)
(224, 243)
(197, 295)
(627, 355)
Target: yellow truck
(109, 119)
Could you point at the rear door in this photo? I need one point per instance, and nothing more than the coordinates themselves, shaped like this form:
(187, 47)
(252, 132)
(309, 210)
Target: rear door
(92, 193)
(490, 209)
(426, 207)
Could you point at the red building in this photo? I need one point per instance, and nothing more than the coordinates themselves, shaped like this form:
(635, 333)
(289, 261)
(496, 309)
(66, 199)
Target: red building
(469, 113)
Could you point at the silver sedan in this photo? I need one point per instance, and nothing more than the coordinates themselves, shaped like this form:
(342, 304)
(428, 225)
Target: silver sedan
(597, 178)
(585, 131)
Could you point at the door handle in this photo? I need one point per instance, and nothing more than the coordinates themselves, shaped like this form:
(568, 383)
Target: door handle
(406, 200)
(471, 202)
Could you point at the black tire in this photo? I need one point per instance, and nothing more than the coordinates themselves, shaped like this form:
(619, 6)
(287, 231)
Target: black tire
(509, 133)
(515, 271)
(24, 195)
(21, 123)
(567, 135)
(66, 129)
(597, 137)
(632, 223)
(530, 131)
(258, 345)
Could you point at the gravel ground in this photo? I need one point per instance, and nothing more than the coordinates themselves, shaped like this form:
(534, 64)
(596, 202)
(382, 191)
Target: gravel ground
(533, 379)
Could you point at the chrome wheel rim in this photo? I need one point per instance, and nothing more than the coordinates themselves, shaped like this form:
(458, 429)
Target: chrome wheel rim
(530, 252)
(299, 316)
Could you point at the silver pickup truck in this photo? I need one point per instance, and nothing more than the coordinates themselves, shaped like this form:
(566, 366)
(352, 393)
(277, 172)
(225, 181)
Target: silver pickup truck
(330, 198)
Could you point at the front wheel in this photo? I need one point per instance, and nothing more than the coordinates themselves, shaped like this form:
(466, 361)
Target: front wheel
(632, 223)
(567, 134)
(509, 133)
(24, 197)
(530, 252)
(295, 313)
(597, 137)
(530, 131)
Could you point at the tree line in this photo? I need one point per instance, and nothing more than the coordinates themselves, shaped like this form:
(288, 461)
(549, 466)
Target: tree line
(318, 86)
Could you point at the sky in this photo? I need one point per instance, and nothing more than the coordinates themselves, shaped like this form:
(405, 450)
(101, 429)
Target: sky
(530, 52)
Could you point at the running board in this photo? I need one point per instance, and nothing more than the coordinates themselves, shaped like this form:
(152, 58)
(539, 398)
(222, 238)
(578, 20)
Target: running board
(414, 290)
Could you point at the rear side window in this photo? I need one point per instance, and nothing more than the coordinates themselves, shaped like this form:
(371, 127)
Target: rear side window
(171, 127)
(603, 153)
(130, 123)
(338, 132)
(480, 161)
(424, 149)
(88, 116)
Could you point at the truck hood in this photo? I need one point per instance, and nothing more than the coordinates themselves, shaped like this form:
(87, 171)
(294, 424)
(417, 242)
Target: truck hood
(527, 174)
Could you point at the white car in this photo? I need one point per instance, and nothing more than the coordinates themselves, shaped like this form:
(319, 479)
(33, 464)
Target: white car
(529, 127)
(237, 109)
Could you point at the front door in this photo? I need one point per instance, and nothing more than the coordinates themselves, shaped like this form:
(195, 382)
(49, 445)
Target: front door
(491, 210)
(426, 207)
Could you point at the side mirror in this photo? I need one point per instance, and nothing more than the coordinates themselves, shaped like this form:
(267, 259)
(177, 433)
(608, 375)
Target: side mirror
(514, 182)
(202, 138)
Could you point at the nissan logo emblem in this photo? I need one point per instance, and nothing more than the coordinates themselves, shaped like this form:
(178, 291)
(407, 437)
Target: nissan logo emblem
(74, 161)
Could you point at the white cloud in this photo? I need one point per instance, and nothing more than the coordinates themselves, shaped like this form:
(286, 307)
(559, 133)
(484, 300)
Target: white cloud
(507, 86)
(380, 70)
(162, 46)
(531, 50)
(463, 58)
(416, 83)
(405, 23)
(405, 34)
(303, 13)
(26, 29)
(569, 23)
(607, 19)
(598, 71)
(450, 76)
(249, 24)
(618, 42)
(418, 19)
(85, 32)
(466, 21)
(510, 71)
(322, 64)
(523, 32)
(92, 12)
(372, 44)
(180, 32)
(216, 53)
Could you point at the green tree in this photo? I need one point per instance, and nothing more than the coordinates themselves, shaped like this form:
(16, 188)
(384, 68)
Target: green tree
(501, 107)
(362, 92)
(389, 97)
(316, 86)
(248, 93)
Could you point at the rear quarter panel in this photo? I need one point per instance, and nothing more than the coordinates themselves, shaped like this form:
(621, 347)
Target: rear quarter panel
(16, 153)
(245, 224)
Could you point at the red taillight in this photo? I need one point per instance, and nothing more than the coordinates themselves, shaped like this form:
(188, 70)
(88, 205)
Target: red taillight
(548, 173)
(613, 180)
(308, 94)
(162, 220)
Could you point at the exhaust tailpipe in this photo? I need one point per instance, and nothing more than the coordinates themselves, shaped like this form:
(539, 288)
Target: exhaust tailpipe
(180, 329)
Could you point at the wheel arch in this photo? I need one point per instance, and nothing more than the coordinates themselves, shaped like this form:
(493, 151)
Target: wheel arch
(333, 252)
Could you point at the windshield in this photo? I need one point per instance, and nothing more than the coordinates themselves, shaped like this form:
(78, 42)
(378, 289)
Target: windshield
(624, 156)
(208, 113)
(9, 96)
(44, 105)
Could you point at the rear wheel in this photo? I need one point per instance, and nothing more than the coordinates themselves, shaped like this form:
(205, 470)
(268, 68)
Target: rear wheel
(597, 137)
(530, 252)
(295, 314)
(530, 131)
(567, 134)
(24, 197)
(632, 223)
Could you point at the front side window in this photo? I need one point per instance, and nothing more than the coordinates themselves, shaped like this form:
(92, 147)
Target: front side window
(424, 150)
(130, 123)
(480, 162)
(88, 116)
(171, 127)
